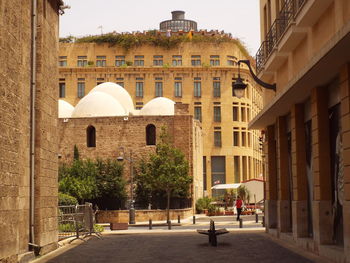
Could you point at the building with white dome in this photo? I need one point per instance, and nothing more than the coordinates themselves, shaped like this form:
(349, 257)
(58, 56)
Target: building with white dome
(184, 64)
(104, 122)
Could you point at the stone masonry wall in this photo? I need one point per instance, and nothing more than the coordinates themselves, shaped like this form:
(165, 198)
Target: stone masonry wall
(112, 133)
(15, 72)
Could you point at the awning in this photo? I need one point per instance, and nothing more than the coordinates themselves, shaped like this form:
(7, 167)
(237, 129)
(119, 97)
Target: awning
(226, 186)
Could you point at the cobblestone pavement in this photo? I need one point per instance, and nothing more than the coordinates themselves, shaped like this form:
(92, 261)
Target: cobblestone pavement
(237, 246)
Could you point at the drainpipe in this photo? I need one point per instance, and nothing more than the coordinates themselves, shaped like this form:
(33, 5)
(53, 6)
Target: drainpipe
(32, 124)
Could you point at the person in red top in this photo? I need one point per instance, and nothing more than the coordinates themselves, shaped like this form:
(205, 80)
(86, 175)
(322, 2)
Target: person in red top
(239, 204)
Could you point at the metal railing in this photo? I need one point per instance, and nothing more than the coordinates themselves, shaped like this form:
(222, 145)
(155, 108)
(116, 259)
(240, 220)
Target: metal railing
(286, 16)
(76, 221)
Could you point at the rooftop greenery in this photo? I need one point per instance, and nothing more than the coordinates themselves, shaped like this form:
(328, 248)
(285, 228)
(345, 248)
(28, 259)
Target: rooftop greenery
(153, 37)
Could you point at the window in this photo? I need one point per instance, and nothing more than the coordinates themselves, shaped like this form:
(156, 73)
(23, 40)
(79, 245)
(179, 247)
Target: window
(177, 60)
(217, 113)
(81, 88)
(120, 81)
(216, 88)
(231, 60)
(244, 139)
(150, 134)
(217, 138)
(82, 61)
(100, 81)
(157, 60)
(159, 89)
(214, 60)
(119, 61)
(235, 138)
(218, 174)
(139, 87)
(196, 60)
(178, 87)
(236, 169)
(243, 116)
(197, 87)
(91, 136)
(235, 113)
(62, 61)
(204, 173)
(62, 89)
(139, 61)
(101, 61)
(248, 114)
(198, 113)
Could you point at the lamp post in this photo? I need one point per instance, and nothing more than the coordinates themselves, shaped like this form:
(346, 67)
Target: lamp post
(239, 86)
(132, 201)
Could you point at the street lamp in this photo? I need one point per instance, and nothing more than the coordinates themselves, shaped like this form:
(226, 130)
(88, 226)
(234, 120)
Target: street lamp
(239, 86)
(132, 201)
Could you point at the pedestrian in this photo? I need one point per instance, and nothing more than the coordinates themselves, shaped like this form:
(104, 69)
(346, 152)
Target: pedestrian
(239, 205)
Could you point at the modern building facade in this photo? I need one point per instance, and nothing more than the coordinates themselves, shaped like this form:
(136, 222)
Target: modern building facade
(305, 51)
(185, 65)
(28, 138)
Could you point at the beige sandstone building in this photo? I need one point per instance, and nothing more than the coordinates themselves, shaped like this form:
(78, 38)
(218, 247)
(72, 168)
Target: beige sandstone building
(28, 138)
(305, 50)
(185, 65)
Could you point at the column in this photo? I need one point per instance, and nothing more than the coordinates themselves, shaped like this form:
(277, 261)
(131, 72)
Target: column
(271, 180)
(322, 207)
(283, 203)
(345, 123)
(300, 206)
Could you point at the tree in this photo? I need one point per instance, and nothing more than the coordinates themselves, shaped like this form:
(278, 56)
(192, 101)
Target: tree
(166, 169)
(98, 181)
(244, 193)
(76, 153)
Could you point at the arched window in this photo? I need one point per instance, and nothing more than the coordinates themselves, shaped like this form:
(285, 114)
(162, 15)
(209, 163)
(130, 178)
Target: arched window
(150, 134)
(91, 136)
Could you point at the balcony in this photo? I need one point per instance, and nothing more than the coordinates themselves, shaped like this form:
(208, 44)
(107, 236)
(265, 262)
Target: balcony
(280, 38)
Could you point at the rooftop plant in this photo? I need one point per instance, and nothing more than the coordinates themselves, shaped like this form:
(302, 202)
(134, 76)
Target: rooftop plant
(155, 38)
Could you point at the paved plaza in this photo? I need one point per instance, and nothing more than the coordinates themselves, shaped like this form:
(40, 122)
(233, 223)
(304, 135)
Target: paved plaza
(181, 244)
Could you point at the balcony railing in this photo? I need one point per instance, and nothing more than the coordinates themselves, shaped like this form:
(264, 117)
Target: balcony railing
(286, 16)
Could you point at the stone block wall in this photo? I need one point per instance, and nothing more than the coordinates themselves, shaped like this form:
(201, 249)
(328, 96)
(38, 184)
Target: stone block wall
(15, 73)
(116, 136)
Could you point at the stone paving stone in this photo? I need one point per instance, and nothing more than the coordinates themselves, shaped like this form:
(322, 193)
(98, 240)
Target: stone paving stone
(178, 247)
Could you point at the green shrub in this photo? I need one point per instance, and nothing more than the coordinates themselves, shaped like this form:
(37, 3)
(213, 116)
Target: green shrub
(202, 203)
(98, 228)
(65, 199)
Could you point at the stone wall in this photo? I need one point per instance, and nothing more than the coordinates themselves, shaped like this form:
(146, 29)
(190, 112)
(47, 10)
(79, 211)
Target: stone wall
(15, 73)
(122, 216)
(116, 136)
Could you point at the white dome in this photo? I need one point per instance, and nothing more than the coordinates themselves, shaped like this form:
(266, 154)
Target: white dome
(98, 104)
(65, 109)
(158, 106)
(118, 92)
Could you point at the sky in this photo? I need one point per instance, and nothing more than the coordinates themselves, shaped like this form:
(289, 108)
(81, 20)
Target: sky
(241, 18)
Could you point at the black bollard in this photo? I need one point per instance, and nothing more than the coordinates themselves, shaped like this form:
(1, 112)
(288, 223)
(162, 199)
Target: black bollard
(256, 218)
(263, 221)
(169, 224)
(240, 223)
(194, 220)
(150, 224)
(178, 219)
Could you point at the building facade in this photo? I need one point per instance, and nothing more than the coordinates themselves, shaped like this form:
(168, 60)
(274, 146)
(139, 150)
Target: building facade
(192, 67)
(28, 139)
(305, 51)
